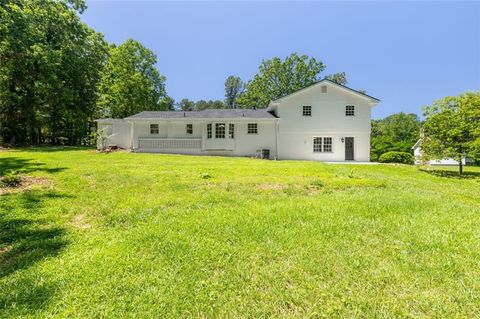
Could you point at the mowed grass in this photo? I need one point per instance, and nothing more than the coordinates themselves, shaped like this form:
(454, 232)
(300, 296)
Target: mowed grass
(126, 235)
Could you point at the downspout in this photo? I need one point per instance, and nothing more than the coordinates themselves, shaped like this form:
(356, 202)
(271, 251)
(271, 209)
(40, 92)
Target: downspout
(131, 134)
(276, 139)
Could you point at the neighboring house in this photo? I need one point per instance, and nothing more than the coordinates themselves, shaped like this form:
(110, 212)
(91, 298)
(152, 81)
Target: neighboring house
(324, 121)
(417, 152)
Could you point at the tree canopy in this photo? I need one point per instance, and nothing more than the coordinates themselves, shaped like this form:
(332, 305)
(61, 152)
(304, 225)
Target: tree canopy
(130, 81)
(234, 87)
(50, 66)
(452, 128)
(277, 77)
(397, 132)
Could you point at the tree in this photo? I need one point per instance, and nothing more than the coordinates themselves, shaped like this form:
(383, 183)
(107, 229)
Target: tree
(234, 86)
(167, 103)
(130, 81)
(276, 78)
(210, 104)
(339, 78)
(451, 128)
(397, 132)
(50, 65)
(186, 105)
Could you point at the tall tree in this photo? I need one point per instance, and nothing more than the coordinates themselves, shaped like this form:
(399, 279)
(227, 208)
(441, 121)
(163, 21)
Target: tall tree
(130, 81)
(339, 78)
(397, 132)
(277, 77)
(234, 86)
(186, 105)
(451, 128)
(49, 69)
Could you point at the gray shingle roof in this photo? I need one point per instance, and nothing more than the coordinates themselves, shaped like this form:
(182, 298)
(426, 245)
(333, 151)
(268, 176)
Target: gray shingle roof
(208, 113)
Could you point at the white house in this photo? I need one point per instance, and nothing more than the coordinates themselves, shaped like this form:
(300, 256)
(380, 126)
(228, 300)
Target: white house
(324, 121)
(417, 152)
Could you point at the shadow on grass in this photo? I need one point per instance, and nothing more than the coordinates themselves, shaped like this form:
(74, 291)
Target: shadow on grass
(50, 148)
(451, 174)
(27, 237)
(25, 166)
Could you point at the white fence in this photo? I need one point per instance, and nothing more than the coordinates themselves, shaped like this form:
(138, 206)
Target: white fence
(169, 143)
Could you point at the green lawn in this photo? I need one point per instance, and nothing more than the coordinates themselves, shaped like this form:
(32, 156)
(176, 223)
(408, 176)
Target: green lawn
(149, 236)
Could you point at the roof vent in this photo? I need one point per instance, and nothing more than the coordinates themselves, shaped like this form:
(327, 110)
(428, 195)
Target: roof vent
(184, 114)
(324, 89)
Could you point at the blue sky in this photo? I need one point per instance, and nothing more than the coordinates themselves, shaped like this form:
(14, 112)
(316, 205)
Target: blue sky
(405, 53)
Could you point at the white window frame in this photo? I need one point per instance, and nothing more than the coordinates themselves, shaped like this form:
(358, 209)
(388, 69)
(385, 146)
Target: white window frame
(349, 110)
(252, 128)
(154, 129)
(218, 130)
(209, 130)
(231, 131)
(307, 110)
(322, 144)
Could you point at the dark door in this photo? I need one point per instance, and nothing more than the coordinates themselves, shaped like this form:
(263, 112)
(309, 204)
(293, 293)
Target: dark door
(349, 149)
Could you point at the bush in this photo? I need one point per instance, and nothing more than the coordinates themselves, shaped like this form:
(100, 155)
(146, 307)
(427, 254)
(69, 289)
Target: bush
(397, 157)
(11, 178)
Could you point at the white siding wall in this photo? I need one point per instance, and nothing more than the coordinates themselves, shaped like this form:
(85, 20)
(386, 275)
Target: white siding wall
(328, 119)
(242, 145)
(120, 131)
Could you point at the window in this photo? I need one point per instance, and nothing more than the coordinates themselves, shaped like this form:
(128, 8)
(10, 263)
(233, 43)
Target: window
(349, 110)
(220, 130)
(307, 110)
(231, 130)
(209, 130)
(322, 145)
(153, 128)
(327, 144)
(252, 128)
(189, 129)
(324, 89)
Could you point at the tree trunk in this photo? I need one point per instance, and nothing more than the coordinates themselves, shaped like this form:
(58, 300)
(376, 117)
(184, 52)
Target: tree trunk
(460, 167)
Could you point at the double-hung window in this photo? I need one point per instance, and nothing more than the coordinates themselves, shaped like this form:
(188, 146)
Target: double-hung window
(252, 128)
(322, 145)
(307, 110)
(154, 129)
(209, 130)
(231, 130)
(189, 129)
(350, 110)
(219, 130)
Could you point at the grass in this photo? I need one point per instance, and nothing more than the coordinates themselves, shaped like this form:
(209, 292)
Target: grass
(126, 235)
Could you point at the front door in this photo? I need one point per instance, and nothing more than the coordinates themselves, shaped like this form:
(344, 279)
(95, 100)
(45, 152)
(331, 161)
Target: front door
(349, 149)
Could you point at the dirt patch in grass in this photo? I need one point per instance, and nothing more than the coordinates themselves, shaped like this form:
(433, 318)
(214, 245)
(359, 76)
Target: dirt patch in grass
(80, 222)
(271, 187)
(26, 183)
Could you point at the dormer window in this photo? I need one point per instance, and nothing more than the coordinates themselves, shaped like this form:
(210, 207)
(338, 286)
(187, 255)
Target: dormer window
(324, 89)
(350, 110)
(307, 110)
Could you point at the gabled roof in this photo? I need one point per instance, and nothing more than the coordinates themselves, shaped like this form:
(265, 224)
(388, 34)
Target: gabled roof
(417, 144)
(208, 113)
(363, 95)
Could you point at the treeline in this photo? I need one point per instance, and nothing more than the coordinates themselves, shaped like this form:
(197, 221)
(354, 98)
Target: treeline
(397, 132)
(57, 75)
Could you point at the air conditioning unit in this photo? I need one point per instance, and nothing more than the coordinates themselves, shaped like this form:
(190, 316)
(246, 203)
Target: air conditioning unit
(265, 153)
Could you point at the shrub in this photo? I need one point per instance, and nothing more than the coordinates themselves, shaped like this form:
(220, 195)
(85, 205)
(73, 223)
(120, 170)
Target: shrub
(11, 178)
(317, 184)
(397, 157)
